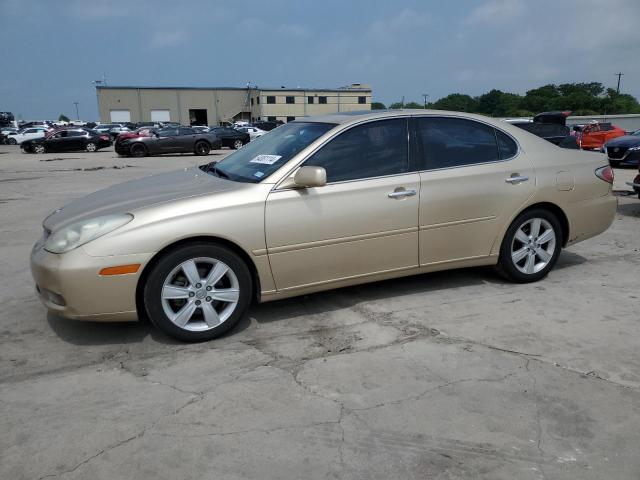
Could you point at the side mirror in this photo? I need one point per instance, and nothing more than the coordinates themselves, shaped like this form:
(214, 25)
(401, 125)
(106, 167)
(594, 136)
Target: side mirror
(310, 176)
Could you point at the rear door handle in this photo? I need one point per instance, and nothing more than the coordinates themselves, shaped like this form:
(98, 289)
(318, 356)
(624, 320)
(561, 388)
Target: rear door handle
(401, 193)
(516, 179)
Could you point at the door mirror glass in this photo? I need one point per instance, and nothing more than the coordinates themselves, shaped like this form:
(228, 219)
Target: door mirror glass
(310, 176)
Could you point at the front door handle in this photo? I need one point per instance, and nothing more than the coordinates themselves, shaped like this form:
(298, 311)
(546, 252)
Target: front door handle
(401, 193)
(516, 179)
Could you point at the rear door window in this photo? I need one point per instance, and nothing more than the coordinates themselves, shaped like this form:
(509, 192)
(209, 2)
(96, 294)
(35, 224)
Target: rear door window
(455, 142)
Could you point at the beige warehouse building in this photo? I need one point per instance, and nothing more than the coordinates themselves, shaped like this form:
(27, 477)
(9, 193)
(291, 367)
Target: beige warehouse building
(218, 105)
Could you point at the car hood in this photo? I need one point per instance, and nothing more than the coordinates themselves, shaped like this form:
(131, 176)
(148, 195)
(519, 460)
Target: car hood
(624, 141)
(136, 194)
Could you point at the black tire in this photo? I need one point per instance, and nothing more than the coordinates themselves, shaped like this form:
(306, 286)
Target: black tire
(163, 269)
(138, 150)
(510, 269)
(237, 144)
(91, 147)
(202, 148)
(38, 148)
(12, 141)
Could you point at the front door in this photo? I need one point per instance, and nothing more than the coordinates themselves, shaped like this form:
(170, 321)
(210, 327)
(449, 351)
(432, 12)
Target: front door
(474, 178)
(364, 221)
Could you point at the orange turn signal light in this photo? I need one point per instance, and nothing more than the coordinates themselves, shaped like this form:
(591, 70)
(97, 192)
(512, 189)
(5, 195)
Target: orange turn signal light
(120, 269)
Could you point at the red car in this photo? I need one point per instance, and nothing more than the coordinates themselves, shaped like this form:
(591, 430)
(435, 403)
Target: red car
(595, 135)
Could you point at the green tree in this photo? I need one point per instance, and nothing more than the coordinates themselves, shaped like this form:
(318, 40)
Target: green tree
(395, 106)
(413, 105)
(499, 104)
(377, 106)
(63, 118)
(456, 102)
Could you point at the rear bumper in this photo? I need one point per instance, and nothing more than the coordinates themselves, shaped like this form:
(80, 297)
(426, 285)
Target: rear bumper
(69, 284)
(590, 217)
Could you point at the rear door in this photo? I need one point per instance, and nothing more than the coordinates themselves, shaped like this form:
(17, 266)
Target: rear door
(473, 179)
(167, 141)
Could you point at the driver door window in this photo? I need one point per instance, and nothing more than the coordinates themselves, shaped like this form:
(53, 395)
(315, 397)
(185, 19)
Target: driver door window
(375, 149)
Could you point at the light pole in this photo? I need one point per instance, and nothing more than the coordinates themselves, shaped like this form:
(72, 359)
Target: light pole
(619, 74)
(77, 113)
(425, 95)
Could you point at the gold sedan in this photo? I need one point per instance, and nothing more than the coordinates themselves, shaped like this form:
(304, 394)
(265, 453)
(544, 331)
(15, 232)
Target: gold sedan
(316, 204)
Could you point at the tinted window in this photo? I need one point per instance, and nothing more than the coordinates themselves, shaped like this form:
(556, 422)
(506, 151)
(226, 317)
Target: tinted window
(271, 99)
(508, 148)
(362, 100)
(266, 154)
(310, 99)
(187, 131)
(370, 150)
(322, 99)
(75, 133)
(453, 142)
(168, 132)
(291, 100)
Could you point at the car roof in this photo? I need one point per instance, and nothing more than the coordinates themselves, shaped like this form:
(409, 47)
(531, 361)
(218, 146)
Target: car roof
(357, 116)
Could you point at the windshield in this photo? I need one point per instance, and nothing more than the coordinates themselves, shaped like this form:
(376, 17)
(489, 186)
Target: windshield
(264, 155)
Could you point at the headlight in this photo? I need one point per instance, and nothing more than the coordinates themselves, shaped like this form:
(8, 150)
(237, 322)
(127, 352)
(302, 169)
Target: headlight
(634, 149)
(79, 233)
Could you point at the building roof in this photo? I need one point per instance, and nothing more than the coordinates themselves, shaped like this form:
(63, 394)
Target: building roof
(270, 89)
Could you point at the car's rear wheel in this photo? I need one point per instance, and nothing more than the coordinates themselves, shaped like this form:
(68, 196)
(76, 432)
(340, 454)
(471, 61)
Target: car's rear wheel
(91, 147)
(11, 141)
(138, 150)
(237, 144)
(530, 247)
(38, 148)
(197, 292)
(202, 148)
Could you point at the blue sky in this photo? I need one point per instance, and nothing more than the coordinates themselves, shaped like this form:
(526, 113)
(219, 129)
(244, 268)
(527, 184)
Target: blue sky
(53, 49)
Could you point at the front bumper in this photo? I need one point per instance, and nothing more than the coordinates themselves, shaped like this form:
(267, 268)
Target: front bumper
(69, 284)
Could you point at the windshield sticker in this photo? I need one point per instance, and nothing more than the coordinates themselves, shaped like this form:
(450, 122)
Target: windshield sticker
(259, 174)
(266, 159)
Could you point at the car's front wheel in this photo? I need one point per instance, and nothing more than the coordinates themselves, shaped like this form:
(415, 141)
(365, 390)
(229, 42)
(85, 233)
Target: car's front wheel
(197, 292)
(11, 141)
(530, 247)
(237, 144)
(91, 147)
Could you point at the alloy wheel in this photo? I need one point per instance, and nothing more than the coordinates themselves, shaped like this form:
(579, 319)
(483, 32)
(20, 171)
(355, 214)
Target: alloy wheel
(533, 245)
(91, 147)
(237, 144)
(37, 148)
(200, 294)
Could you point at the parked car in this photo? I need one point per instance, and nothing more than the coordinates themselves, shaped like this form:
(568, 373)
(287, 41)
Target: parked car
(252, 131)
(111, 128)
(200, 128)
(595, 135)
(37, 123)
(169, 140)
(266, 125)
(4, 132)
(320, 203)
(26, 134)
(67, 140)
(7, 119)
(551, 126)
(140, 132)
(148, 124)
(623, 150)
(230, 137)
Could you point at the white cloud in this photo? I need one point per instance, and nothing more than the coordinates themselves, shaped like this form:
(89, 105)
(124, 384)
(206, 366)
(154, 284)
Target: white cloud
(497, 11)
(168, 39)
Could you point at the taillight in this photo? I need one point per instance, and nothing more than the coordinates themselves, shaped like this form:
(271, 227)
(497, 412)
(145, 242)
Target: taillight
(104, 137)
(605, 173)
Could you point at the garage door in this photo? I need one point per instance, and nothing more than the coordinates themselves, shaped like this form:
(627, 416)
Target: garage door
(160, 116)
(119, 116)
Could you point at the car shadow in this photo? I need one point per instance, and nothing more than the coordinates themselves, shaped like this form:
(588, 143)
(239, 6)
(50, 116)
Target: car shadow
(95, 333)
(629, 209)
